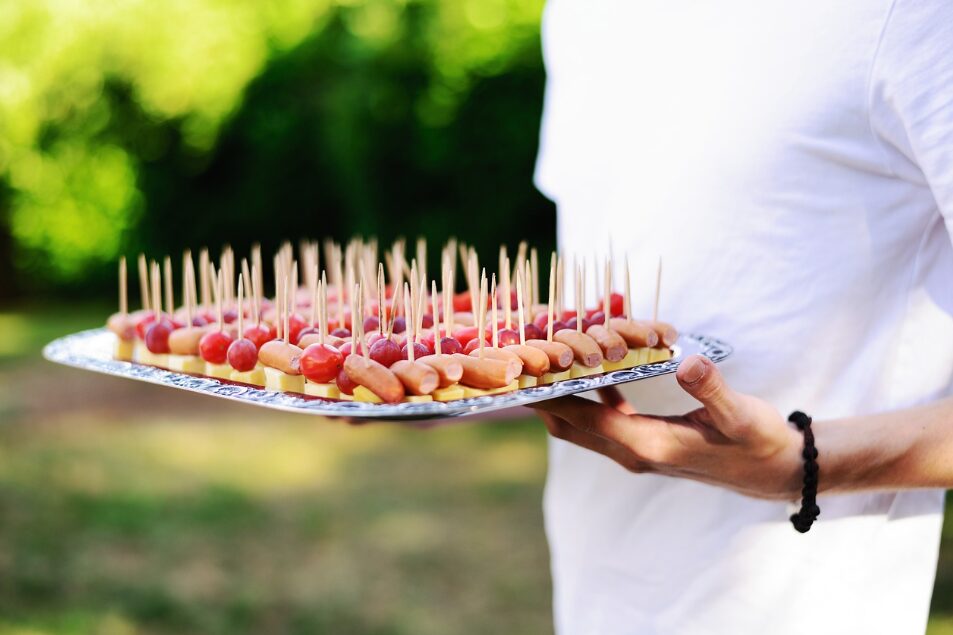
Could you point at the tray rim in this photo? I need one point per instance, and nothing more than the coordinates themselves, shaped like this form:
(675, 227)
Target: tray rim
(63, 351)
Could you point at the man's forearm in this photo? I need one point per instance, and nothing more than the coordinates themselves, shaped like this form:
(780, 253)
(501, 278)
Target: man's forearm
(905, 449)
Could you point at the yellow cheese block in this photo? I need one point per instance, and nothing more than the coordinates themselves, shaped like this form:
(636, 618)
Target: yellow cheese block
(659, 355)
(147, 357)
(550, 378)
(417, 398)
(362, 393)
(527, 381)
(344, 397)
(450, 393)
(325, 391)
(578, 370)
(187, 364)
(631, 359)
(477, 392)
(124, 350)
(283, 382)
(139, 351)
(221, 371)
(255, 376)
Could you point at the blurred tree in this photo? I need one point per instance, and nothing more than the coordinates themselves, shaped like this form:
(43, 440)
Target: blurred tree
(160, 125)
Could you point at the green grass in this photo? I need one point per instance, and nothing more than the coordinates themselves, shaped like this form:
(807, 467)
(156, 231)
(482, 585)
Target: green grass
(130, 509)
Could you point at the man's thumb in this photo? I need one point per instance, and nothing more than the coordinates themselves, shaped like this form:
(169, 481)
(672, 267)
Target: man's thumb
(701, 379)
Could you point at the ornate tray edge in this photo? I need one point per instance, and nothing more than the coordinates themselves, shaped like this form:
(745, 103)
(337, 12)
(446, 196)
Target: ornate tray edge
(91, 350)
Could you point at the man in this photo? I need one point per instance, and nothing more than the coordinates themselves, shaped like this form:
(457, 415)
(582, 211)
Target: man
(792, 163)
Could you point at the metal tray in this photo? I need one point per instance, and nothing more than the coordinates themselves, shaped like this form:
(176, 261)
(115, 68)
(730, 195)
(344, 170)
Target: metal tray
(92, 350)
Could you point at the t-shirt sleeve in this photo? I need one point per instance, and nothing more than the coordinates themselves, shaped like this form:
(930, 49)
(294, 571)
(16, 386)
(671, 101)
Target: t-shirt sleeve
(911, 96)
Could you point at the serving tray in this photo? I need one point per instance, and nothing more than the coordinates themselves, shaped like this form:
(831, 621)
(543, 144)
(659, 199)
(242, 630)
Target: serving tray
(92, 350)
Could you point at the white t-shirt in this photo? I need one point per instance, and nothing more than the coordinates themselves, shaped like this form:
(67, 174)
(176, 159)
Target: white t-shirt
(792, 163)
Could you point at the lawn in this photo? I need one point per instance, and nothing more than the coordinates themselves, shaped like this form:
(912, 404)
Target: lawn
(130, 509)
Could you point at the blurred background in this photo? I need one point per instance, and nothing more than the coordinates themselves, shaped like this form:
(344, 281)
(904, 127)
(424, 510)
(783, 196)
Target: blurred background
(137, 125)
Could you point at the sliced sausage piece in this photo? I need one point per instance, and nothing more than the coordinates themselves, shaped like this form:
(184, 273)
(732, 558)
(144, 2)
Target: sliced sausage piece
(448, 369)
(498, 353)
(185, 341)
(584, 348)
(535, 361)
(417, 378)
(560, 355)
(613, 346)
(667, 334)
(636, 334)
(487, 373)
(282, 356)
(374, 376)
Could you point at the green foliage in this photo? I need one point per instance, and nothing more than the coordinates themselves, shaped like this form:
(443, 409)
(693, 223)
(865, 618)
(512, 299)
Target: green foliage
(159, 125)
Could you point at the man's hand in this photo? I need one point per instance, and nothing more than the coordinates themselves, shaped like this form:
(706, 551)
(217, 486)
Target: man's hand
(734, 440)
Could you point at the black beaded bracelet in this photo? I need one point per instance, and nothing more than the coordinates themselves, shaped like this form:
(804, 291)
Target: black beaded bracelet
(809, 511)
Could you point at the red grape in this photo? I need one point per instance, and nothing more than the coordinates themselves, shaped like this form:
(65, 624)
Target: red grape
(242, 355)
(308, 330)
(400, 324)
(347, 348)
(229, 316)
(462, 302)
(596, 318)
(426, 321)
(213, 347)
(508, 336)
(474, 344)
(157, 337)
(541, 320)
(258, 334)
(450, 345)
(296, 324)
(198, 320)
(341, 332)
(533, 332)
(616, 304)
(371, 323)
(321, 363)
(465, 333)
(559, 325)
(143, 325)
(345, 383)
(420, 350)
(385, 352)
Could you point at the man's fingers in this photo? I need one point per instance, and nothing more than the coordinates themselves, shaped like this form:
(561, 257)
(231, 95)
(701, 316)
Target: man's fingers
(648, 438)
(612, 397)
(700, 378)
(564, 430)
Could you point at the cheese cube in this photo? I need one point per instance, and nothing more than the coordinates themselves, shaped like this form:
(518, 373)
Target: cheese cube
(578, 370)
(220, 371)
(325, 391)
(417, 398)
(187, 364)
(450, 393)
(283, 382)
(255, 376)
(124, 350)
(478, 392)
(550, 378)
(631, 359)
(527, 381)
(362, 393)
(659, 355)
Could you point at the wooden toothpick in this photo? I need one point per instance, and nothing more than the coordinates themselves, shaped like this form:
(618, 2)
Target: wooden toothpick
(436, 317)
(123, 299)
(607, 291)
(627, 292)
(241, 307)
(408, 308)
(519, 308)
(493, 326)
(169, 300)
(658, 289)
(481, 328)
(552, 298)
(145, 292)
